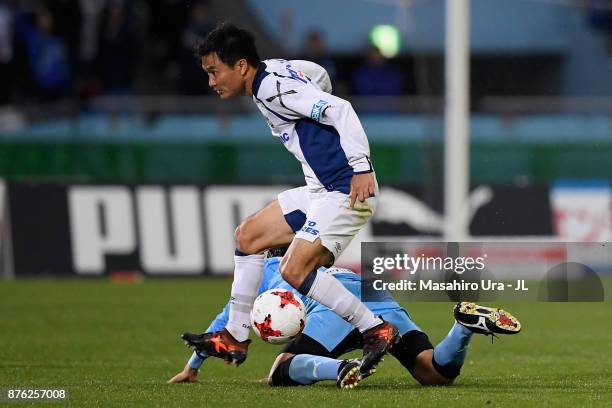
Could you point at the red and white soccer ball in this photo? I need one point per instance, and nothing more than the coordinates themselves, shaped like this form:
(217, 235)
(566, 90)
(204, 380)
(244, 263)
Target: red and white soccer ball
(278, 316)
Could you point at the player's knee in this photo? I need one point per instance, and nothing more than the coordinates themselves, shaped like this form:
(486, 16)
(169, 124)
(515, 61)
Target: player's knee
(280, 376)
(444, 375)
(426, 373)
(415, 352)
(434, 379)
(246, 238)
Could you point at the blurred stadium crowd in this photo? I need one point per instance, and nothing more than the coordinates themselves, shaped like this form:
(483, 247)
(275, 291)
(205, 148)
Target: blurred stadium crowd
(58, 49)
(69, 48)
(99, 56)
(54, 49)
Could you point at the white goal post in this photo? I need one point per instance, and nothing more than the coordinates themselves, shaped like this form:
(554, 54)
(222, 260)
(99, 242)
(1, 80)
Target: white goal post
(456, 121)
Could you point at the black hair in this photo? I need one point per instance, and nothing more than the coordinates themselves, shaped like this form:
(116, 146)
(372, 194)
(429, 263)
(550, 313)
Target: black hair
(231, 44)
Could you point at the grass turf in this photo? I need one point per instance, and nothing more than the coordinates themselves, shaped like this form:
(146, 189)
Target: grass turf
(113, 344)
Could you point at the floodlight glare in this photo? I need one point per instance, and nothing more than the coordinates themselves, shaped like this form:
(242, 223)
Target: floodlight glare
(387, 39)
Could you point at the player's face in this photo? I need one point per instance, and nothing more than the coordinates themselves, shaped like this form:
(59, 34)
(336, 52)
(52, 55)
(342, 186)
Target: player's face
(226, 80)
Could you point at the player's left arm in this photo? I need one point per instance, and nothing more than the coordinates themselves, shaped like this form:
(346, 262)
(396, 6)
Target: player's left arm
(190, 371)
(340, 114)
(187, 374)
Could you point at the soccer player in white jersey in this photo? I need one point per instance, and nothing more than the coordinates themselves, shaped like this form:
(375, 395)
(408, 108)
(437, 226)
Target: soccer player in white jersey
(318, 220)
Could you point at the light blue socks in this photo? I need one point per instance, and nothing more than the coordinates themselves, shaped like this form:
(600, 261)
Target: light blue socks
(308, 369)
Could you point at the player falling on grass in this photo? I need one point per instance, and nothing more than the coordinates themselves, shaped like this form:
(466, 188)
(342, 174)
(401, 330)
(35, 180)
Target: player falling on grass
(318, 220)
(312, 356)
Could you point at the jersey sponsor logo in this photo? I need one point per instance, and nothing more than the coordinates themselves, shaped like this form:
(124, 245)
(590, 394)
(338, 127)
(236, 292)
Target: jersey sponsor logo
(309, 228)
(317, 109)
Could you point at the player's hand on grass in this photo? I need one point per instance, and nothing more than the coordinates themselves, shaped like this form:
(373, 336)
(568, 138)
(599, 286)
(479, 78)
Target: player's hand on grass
(362, 187)
(188, 374)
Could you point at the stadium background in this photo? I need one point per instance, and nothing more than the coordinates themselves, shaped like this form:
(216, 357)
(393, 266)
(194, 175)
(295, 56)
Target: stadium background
(116, 161)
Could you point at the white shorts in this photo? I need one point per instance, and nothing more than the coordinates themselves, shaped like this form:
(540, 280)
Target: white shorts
(325, 215)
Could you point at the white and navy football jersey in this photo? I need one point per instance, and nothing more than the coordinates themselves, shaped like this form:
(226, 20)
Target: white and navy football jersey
(321, 130)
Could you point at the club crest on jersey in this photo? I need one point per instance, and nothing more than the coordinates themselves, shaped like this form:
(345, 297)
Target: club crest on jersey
(299, 75)
(317, 109)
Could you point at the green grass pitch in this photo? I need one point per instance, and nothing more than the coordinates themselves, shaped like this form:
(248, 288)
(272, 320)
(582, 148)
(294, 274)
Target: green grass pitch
(112, 344)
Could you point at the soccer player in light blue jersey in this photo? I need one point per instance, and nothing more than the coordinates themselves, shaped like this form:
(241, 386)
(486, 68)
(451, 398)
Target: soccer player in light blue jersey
(317, 220)
(313, 356)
